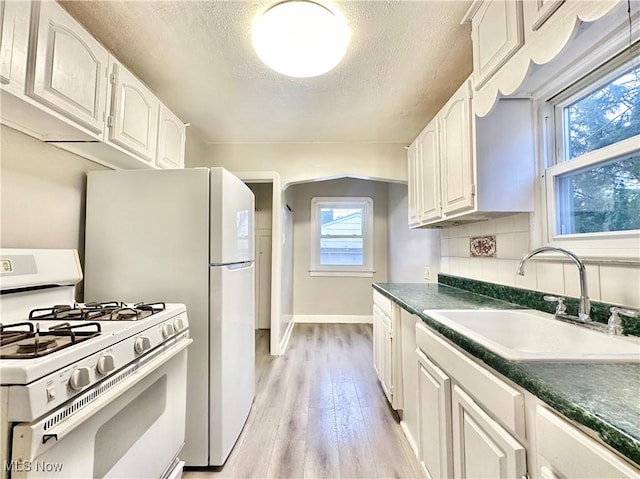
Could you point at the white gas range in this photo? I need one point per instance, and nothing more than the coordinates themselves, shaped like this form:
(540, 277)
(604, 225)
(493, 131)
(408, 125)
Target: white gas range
(86, 390)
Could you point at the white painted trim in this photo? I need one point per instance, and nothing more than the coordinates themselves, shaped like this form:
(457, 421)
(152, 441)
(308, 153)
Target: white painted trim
(354, 274)
(285, 339)
(410, 440)
(333, 318)
(366, 203)
(278, 340)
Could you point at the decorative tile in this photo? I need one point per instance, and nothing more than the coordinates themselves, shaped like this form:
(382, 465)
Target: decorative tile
(482, 246)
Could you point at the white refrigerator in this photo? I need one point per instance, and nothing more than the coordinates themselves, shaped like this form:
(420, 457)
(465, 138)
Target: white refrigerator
(184, 236)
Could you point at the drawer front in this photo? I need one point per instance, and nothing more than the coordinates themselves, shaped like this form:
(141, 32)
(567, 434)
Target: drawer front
(382, 302)
(565, 451)
(496, 396)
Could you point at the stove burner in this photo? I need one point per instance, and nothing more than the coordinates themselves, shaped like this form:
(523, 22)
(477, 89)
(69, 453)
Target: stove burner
(125, 314)
(36, 344)
(154, 307)
(8, 334)
(65, 311)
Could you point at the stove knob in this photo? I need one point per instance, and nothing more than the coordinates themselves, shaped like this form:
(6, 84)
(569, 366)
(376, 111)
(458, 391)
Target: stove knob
(178, 325)
(79, 379)
(106, 364)
(167, 331)
(142, 344)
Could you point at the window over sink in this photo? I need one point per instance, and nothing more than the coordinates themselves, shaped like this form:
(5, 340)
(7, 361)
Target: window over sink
(592, 159)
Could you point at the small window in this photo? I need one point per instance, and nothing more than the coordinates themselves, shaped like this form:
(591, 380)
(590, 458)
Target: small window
(341, 236)
(592, 177)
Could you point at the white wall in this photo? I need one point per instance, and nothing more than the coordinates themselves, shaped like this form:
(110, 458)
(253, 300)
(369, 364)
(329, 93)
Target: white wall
(297, 162)
(43, 192)
(607, 282)
(286, 292)
(335, 296)
(410, 250)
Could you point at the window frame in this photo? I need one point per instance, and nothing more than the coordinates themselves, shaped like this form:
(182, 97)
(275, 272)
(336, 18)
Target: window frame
(614, 245)
(364, 270)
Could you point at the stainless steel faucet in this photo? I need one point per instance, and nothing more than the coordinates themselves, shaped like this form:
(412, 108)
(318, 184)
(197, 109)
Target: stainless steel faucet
(584, 308)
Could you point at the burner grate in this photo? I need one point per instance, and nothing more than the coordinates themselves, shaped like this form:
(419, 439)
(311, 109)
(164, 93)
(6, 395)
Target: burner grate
(107, 311)
(8, 333)
(34, 344)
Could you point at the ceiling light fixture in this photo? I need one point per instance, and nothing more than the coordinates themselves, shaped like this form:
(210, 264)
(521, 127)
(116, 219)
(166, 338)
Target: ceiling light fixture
(299, 38)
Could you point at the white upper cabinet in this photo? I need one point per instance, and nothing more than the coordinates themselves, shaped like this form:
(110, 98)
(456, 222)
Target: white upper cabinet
(414, 187)
(537, 12)
(470, 168)
(133, 122)
(171, 140)
(14, 44)
(456, 155)
(497, 33)
(430, 205)
(58, 84)
(68, 67)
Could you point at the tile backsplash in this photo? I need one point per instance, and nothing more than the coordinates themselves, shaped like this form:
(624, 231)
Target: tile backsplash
(610, 283)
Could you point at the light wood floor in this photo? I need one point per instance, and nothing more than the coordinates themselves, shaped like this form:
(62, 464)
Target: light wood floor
(319, 412)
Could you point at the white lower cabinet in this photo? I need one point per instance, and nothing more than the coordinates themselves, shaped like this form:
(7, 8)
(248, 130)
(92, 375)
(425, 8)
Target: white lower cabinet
(386, 348)
(471, 424)
(434, 413)
(565, 451)
(482, 448)
(460, 436)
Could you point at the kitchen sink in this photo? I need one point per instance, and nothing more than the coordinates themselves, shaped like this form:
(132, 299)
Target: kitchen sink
(530, 335)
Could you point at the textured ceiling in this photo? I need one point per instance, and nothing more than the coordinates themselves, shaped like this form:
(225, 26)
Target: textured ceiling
(404, 60)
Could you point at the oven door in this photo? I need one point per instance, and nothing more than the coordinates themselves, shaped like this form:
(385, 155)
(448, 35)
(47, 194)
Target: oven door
(134, 429)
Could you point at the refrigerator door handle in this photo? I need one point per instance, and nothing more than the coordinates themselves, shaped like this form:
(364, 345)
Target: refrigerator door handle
(232, 266)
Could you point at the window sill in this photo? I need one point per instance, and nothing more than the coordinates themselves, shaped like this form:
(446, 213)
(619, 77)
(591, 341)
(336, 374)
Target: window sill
(346, 274)
(590, 258)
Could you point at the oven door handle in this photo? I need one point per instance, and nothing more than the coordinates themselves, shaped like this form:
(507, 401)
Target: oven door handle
(38, 440)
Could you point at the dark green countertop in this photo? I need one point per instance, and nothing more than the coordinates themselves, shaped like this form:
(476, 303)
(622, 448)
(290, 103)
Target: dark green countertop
(604, 397)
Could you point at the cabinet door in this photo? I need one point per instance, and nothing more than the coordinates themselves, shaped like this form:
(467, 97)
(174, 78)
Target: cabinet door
(434, 415)
(413, 183)
(134, 114)
(377, 341)
(14, 43)
(537, 12)
(430, 197)
(386, 356)
(497, 33)
(457, 158)
(67, 67)
(171, 140)
(565, 451)
(481, 447)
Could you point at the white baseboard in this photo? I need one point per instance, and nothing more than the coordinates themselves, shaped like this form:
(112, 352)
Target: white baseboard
(409, 437)
(330, 318)
(287, 335)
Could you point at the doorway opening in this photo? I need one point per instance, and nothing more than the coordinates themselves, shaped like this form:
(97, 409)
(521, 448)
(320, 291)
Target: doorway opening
(263, 252)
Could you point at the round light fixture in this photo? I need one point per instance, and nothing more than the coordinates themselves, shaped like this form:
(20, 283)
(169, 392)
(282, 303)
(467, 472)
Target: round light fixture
(299, 38)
